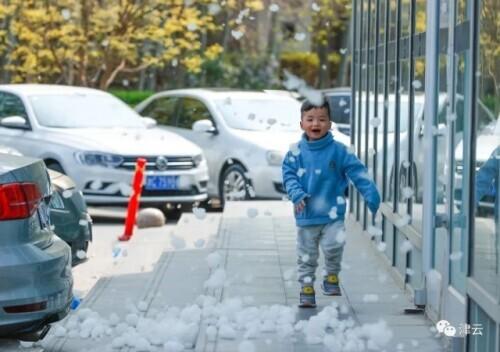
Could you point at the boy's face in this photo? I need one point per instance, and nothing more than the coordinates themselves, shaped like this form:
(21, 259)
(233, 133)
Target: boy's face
(315, 123)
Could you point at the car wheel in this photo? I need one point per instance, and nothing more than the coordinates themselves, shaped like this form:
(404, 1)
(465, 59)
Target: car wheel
(234, 184)
(54, 165)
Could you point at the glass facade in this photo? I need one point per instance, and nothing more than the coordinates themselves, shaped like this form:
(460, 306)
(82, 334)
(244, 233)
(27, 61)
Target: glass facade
(426, 121)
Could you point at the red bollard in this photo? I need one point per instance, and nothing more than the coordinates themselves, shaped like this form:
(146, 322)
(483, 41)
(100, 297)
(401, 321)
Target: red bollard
(133, 203)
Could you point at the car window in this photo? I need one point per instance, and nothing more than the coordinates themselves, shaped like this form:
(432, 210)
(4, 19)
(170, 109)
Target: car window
(11, 105)
(340, 108)
(262, 113)
(190, 111)
(162, 110)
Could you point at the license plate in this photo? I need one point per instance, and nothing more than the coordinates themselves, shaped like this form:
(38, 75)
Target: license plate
(163, 183)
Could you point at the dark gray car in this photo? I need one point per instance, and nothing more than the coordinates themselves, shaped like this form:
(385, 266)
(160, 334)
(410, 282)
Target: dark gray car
(35, 265)
(69, 216)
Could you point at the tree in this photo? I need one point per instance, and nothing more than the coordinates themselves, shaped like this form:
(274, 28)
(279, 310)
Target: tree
(91, 42)
(329, 23)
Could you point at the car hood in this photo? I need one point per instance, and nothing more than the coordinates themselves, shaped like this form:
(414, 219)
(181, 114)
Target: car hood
(123, 141)
(280, 141)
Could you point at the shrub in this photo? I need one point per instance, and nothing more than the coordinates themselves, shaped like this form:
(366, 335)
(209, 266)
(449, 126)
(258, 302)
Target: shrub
(131, 97)
(302, 64)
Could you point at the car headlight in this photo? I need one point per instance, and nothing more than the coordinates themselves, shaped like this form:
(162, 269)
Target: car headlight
(274, 158)
(98, 159)
(198, 159)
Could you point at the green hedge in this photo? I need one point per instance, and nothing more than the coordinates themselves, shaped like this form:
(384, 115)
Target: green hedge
(132, 97)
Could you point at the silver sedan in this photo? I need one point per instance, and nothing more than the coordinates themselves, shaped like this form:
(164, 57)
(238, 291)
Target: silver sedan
(243, 134)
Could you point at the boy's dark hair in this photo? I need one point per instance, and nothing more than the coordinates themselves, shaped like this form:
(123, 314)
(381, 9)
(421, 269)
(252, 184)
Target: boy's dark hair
(307, 105)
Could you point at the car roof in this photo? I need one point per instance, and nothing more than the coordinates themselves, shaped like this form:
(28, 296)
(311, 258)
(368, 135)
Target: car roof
(40, 89)
(220, 93)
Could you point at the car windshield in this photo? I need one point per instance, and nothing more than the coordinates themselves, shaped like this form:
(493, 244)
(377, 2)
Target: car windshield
(83, 111)
(260, 114)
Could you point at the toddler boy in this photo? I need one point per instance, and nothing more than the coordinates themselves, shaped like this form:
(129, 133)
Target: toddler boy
(315, 176)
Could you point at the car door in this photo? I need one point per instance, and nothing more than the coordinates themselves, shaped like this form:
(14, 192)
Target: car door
(189, 111)
(20, 138)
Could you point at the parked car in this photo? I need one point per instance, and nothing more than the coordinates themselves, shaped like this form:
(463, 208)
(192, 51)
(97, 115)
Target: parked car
(95, 139)
(339, 100)
(68, 212)
(244, 135)
(69, 216)
(35, 265)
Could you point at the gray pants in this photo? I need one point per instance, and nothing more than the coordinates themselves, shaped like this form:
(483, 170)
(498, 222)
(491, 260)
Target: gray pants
(331, 239)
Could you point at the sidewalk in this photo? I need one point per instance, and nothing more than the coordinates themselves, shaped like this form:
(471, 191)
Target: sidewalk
(253, 292)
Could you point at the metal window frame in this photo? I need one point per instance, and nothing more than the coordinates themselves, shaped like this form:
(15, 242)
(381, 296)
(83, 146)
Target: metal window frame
(386, 110)
(397, 115)
(354, 69)
(474, 291)
(375, 98)
(360, 92)
(411, 108)
(431, 100)
(367, 102)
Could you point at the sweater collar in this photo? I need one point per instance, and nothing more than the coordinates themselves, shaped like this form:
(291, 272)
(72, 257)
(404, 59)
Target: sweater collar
(317, 144)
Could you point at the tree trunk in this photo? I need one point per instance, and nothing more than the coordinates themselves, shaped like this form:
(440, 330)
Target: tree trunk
(323, 69)
(343, 76)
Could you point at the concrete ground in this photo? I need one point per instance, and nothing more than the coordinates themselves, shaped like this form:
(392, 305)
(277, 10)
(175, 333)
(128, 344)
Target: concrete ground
(168, 266)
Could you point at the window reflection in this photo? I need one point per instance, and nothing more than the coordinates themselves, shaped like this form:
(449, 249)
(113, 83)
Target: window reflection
(486, 261)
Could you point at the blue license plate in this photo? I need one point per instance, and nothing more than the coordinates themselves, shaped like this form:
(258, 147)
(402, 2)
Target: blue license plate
(163, 183)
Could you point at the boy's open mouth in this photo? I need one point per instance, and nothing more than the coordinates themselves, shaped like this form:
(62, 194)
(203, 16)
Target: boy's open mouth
(316, 130)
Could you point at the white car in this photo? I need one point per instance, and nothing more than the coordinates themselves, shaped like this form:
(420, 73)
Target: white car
(95, 139)
(243, 134)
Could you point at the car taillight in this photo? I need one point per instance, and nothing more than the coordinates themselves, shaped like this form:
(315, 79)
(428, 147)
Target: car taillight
(18, 200)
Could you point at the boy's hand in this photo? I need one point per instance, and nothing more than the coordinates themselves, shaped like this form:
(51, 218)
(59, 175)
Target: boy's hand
(299, 207)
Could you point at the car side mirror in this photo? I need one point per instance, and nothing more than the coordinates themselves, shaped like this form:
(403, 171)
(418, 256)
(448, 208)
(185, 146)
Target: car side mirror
(14, 122)
(204, 126)
(149, 122)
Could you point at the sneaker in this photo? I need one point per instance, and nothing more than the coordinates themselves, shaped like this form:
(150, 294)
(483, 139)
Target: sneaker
(307, 297)
(330, 286)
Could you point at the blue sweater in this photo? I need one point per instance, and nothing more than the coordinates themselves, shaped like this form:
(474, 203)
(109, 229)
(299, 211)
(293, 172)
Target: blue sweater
(317, 173)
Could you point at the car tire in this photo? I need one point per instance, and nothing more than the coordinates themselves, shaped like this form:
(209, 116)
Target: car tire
(234, 184)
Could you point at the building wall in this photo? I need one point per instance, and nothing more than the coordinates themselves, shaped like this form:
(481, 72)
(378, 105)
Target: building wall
(425, 120)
